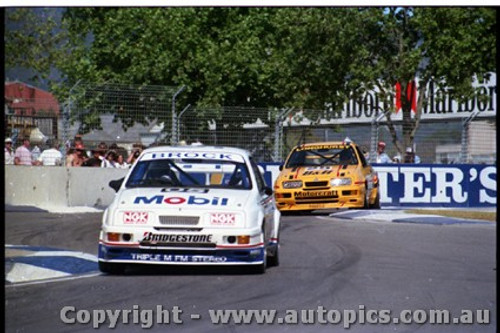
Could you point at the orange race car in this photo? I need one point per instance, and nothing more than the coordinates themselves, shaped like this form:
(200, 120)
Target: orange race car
(326, 175)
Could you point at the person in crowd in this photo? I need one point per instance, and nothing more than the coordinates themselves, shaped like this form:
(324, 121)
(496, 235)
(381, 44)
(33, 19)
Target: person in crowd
(382, 156)
(110, 161)
(35, 153)
(22, 155)
(120, 162)
(136, 152)
(410, 156)
(396, 159)
(97, 157)
(78, 140)
(78, 157)
(366, 153)
(9, 151)
(51, 156)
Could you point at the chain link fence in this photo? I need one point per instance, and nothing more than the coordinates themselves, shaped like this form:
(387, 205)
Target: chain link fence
(257, 130)
(439, 142)
(121, 114)
(150, 115)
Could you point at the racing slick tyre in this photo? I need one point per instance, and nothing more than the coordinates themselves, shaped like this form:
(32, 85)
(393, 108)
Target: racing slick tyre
(111, 268)
(261, 268)
(376, 204)
(274, 260)
(366, 203)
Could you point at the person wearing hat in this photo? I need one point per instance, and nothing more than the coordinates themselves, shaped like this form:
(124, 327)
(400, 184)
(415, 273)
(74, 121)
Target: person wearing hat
(51, 156)
(78, 157)
(382, 156)
(410, 156)
(9, 151)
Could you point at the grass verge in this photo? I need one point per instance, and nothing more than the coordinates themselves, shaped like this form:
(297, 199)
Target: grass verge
(475, 215)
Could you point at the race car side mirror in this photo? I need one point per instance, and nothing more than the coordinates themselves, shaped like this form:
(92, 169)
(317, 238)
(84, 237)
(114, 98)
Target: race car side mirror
(116, 184)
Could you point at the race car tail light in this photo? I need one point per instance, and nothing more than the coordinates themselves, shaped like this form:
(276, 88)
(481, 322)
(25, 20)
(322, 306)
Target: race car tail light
(127, 237)
(244, 239)
(113, 236)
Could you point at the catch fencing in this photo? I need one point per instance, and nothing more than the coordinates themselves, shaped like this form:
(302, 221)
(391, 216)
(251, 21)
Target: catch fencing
(154, 115)
(452, 141)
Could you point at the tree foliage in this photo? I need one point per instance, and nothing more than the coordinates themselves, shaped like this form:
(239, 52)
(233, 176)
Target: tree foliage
(448, 46)
(32, 41)
(308, 58)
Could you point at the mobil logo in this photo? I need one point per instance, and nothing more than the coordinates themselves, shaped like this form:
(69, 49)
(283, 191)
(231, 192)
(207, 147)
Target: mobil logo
(177, 200)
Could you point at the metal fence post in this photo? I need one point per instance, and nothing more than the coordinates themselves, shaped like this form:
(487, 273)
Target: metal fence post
(173, 138)
(66, 121)
(278, 135)
(374, 136)
(464, 149)
(178, 133)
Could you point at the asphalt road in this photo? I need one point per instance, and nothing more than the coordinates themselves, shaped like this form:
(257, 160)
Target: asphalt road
(326, 264)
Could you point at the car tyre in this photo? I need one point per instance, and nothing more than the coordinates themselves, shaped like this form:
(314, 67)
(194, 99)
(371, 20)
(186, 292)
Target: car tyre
(274, 260)
(366, 203)
(376, 204)
(261, 268)
(111, 268)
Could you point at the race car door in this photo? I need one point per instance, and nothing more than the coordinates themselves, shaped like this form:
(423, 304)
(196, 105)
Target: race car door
(267, 202)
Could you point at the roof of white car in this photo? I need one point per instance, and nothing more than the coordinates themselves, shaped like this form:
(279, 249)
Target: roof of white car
(198, 148)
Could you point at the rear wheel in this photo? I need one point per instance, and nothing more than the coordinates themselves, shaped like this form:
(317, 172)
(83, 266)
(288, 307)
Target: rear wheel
(111, 268)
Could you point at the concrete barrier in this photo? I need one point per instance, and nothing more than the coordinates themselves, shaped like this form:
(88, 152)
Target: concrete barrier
(424, 185)
(41, 186)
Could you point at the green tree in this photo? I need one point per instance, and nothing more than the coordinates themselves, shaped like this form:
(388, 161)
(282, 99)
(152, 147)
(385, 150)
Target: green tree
(307, 58)
(447, 46)
(32, 41)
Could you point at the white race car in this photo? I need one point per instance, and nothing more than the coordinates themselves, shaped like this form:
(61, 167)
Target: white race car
(191, 205)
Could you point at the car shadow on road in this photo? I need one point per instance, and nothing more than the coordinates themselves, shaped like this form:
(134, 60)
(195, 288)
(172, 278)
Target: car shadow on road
(179, 270)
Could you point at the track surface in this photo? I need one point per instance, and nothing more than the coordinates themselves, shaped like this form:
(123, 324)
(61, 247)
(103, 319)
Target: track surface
(325, 261)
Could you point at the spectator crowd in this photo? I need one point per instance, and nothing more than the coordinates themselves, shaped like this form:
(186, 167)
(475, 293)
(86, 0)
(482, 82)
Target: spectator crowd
(383, 157)
(118, 157)
(77, 154)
